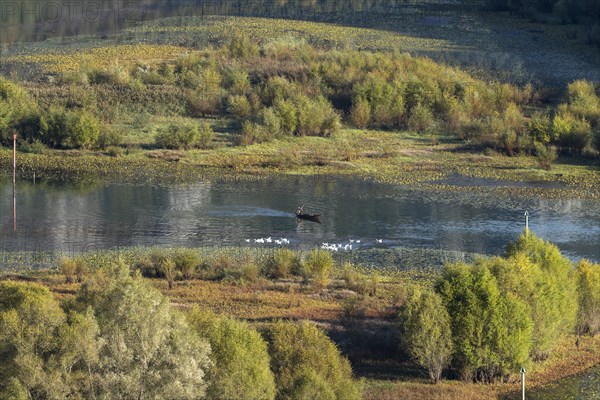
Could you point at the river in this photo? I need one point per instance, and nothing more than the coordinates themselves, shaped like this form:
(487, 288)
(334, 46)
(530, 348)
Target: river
(62, 217)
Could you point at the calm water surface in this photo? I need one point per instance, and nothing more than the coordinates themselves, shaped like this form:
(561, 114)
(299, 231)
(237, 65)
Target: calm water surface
(68, 218)
(585, 386)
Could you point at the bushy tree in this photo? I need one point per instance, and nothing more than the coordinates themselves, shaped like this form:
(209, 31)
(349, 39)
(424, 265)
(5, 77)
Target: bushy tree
(239, 355)
(84, 130)
(421, 119)
(239, 106)
(540, 128)
(307, 365)
(288, 116)
(554, 307)
(148, 349)
(571, 133)
(316, 117)
(588, 282)
(178, 136)
(360, 113)
(30, 320)
(491, 332)
(16, 107)
(426, 332)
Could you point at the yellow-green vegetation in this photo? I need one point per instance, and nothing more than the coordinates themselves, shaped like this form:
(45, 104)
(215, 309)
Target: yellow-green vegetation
(524, 298)
(272, 99)
(240, 358)
(113, 59)
(220, 29)
(396, 158)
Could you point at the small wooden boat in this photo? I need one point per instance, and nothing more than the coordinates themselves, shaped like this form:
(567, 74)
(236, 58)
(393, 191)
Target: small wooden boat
(300, 214)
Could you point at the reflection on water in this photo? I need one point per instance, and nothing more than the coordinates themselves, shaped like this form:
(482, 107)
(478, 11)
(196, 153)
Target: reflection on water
(227, 213)
(34, 20)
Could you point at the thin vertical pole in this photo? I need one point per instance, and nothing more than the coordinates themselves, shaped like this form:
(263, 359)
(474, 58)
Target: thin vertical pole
(523, 382)
(14, 181)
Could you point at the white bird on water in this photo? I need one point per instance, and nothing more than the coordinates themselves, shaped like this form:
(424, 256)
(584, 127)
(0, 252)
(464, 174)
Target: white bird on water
(379, 240)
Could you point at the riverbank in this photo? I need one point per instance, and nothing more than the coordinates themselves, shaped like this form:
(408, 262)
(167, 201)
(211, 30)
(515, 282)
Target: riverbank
(357, 311)
(424, 161)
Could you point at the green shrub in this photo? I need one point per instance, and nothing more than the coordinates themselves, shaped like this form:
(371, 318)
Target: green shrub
(169, 271)
(288, 116)
(571, 133)
(240, 47)
(84, 130)
(426, 333)
(583, 101)
(421, 119)
(184, 135)
(114, 151)
(110, 136)
(473, 130)
(136, 322)
(187, 262)
(68, 268)
(116, 76)
(67, 129)
(554, 307)
(236, 81)
(239, 106)
(35, 147)
(239, 355)
(30, 320)
(307, 365)
(491, 332)
(588, 280)
(205, 135)
(386, 101)
(280, 264)
(254, 133)
(545, 155)
(360, 113)
(318, 266)
(271, 122)
(316, 117)
(540, 128)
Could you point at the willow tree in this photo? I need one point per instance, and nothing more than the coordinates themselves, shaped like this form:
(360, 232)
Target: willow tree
(426, 334)
(148, 350)
(240, 358)
(308, 365)
(491, 332)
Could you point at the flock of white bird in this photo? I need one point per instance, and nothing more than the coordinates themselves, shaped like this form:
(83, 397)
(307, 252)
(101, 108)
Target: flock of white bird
(325, 246)
(279, 242)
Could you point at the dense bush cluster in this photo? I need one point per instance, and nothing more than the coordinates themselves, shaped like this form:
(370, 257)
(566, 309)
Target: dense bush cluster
(120, 338)
(289, 88)
(55, 127)
(488, 319)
